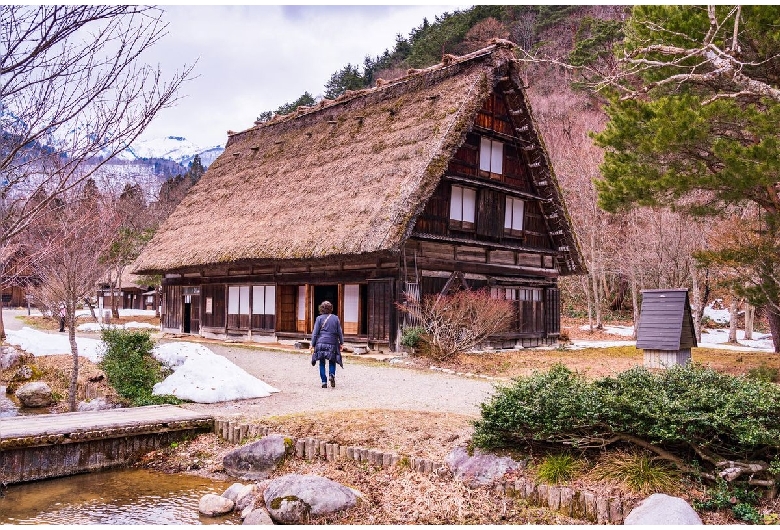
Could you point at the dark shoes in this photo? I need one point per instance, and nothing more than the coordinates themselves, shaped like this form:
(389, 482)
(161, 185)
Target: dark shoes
(332, 381)
(324, 385)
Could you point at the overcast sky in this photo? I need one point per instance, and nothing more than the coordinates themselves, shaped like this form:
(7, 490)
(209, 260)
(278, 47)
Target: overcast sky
(255, 58)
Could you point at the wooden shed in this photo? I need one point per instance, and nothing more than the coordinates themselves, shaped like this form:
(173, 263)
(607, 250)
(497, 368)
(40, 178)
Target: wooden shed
(401, 188)
(665, 331)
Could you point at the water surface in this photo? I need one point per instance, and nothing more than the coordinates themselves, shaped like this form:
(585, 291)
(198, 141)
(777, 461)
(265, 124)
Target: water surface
(128, 496)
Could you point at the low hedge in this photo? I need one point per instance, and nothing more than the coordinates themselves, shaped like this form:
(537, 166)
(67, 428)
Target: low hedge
(692, 415)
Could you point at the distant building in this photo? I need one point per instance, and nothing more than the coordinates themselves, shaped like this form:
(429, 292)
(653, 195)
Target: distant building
(665, 331)
(435, 181)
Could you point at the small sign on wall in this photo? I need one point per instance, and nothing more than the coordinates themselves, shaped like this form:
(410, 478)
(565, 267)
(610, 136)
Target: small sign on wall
(209, 304)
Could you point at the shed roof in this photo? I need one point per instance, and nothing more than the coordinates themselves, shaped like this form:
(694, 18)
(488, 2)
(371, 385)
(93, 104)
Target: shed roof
(344, 177)
(665, 321)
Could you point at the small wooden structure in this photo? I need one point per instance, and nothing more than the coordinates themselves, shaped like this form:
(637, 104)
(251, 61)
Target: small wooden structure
(665, 331)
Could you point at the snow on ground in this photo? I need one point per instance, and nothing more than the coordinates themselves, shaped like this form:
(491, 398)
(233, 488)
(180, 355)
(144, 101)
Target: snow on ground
(204, 377)
(710, 338)
(96, 327)
(199, 374)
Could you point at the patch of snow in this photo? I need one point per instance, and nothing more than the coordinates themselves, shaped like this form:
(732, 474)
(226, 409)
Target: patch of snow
(97, 327)
(199, 374)
(202, 376)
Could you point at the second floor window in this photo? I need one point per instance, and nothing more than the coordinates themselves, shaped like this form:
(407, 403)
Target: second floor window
(513, 216)
(463, 205)
(491, 156)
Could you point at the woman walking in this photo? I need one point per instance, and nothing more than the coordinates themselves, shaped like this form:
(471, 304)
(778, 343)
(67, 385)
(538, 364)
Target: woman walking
(326, 342)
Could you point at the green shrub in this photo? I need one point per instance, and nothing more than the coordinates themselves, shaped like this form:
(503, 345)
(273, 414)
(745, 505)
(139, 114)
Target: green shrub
(683, 411)
(556, 469)
(130, 367)
(639, 472)
(411, 336)
(740, 500)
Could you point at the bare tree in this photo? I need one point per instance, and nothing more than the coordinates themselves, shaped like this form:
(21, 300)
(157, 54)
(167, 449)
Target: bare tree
(73, 94)
(75, 233)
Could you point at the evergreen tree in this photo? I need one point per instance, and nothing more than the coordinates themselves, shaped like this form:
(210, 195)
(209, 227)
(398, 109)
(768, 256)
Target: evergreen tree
(196, 169)
(703, 135)
(348, 78)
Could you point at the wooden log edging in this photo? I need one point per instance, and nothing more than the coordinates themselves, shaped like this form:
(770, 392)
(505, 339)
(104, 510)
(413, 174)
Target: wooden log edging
(583, 505)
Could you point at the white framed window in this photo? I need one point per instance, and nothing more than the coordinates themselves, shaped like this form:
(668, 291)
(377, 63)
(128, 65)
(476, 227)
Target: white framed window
(463, 206)
(503, 293)
(491, 156)
(238, 300)
(301, 302)
(263, 299)
(513, 215)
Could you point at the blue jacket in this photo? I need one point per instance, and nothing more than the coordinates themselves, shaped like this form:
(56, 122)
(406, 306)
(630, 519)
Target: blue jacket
(326, 337)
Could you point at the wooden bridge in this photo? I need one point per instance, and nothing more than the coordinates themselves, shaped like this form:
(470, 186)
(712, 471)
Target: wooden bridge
(55, 445)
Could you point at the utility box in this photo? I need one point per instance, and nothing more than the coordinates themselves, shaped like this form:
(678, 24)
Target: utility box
(665, 331)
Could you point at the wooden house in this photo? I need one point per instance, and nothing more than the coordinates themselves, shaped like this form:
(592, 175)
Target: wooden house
(130, 293)
(421, 184)
(665, 331)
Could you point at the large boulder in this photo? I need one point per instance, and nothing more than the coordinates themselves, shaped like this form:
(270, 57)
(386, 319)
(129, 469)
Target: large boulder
(256, 460)
(479, 469)
(213, 505)
(292, 499)
(11, 358)
(663, 509)
(258, 516)
(35, 395)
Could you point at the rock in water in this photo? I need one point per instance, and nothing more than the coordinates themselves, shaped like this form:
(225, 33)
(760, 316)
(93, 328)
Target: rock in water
(213, 505)
(663, 509)
(35, 395)
(292, 499)
(258, 516)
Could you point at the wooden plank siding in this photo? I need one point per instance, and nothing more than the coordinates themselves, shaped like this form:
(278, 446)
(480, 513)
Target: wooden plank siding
(380, 304)
(665, 321)
(171, 316)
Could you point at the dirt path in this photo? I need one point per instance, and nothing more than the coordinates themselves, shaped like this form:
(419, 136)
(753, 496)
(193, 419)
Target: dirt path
(360, 385)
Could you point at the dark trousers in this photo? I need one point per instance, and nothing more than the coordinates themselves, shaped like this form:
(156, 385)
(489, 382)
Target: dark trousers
(62, 323)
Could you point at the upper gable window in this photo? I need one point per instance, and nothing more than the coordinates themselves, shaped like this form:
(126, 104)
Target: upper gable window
(513, 216)
(491, 156)
(463, 205)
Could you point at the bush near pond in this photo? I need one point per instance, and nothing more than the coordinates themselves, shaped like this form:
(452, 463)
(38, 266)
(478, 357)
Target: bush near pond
(700, 420)
(130, 367)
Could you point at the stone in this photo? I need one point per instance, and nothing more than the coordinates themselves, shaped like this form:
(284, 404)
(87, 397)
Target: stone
(11, 358)
(292, 499)
(94, 404)
(663, 509)
(480, 469)
(35, 395)
(256, 460)
(242, 495)
(258, 516)
(214, 505)
(24, 373)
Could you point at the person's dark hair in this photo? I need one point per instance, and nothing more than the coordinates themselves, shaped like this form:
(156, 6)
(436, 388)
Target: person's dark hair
(326, 307)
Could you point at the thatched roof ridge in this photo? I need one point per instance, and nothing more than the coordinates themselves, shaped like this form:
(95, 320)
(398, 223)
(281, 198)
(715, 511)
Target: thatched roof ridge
(342, 178)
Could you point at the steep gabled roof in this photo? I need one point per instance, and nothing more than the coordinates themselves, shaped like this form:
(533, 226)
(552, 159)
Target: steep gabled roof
(665, 321)
(344, 177)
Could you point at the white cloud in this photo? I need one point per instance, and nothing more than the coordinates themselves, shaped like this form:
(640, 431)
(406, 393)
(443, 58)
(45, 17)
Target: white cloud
(255, 58)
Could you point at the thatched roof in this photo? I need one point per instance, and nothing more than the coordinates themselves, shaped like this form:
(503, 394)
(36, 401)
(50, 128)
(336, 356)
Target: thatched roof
(341, 178)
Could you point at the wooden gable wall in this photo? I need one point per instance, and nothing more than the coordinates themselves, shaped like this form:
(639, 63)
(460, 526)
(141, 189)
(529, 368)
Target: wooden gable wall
(493, 121)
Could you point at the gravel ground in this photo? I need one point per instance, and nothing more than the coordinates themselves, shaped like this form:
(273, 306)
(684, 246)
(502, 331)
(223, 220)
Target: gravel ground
(362, 384)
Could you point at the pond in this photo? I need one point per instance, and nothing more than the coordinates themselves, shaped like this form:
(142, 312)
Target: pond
(126, 496)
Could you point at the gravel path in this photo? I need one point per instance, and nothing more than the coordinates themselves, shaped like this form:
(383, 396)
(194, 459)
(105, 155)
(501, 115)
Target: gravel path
(360, 385)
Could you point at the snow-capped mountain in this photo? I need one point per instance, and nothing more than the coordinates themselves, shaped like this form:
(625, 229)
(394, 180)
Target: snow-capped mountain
(175, 148)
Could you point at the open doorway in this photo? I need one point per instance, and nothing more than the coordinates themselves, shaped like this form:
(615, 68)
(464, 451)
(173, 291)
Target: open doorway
(322, 293)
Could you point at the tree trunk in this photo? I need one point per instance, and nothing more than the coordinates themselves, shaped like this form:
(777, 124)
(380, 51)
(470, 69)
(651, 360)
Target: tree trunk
(586, 288)
(774, 326)
(750, 314)
(696, 302)
(91, 308)
(733, 321)
(635, 302)
(114, 309)
(597, 301)
(74, 350)
(2, 324)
